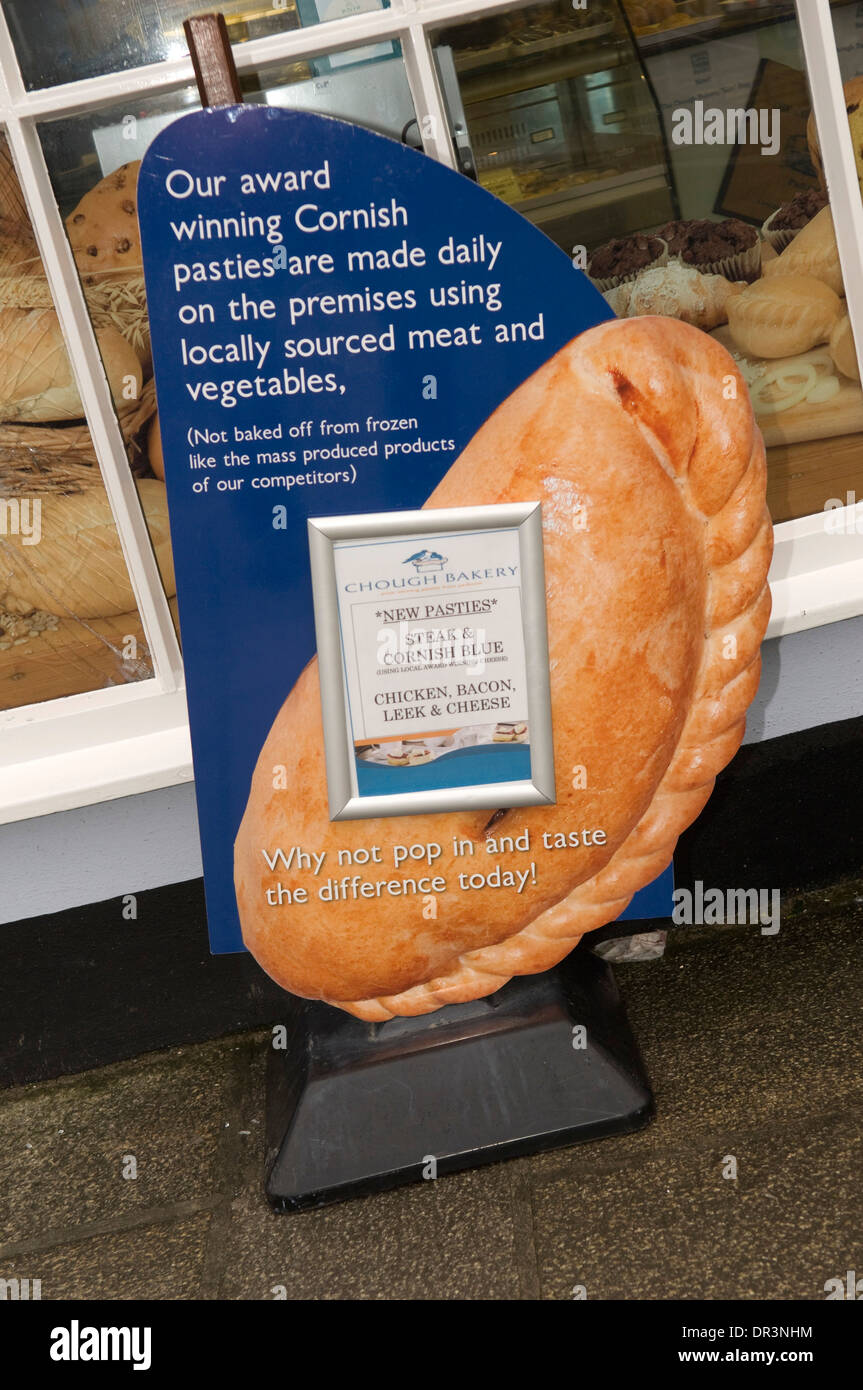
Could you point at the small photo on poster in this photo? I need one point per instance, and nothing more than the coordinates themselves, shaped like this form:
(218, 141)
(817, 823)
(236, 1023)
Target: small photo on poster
(433, 651)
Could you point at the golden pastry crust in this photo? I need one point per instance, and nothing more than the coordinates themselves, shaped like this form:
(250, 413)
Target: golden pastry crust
(103, 228)
(657, 544)
(36, 379)
(678, 291)
(783, 316)
(812, 252)
(843, 350)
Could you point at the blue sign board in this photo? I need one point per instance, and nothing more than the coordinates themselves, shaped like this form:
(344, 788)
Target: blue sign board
(333, 316)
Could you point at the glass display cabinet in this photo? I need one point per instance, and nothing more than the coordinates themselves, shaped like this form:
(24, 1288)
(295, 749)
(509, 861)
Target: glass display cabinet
(552, 110)
(683, 152)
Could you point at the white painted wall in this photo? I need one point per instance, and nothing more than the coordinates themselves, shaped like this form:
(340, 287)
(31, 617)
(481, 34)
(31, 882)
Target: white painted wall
(146, 841)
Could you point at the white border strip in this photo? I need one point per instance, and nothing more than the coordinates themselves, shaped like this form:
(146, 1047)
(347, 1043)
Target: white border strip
(82, 776)
(817, 574)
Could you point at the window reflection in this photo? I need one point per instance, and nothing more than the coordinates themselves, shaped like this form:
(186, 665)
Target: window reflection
(65, 42)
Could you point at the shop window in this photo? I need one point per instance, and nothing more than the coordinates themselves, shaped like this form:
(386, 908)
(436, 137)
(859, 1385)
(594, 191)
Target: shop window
(551, 111)
(93, 160)
(367, 86)
(669, 149)
(86, 38)
(569, 111)
(68, 618)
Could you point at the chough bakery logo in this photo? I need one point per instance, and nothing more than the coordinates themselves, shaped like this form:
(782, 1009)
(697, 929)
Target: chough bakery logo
(428, 567)
(426, 561)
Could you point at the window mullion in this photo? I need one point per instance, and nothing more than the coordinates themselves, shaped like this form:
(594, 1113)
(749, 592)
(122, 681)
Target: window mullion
(426, 93)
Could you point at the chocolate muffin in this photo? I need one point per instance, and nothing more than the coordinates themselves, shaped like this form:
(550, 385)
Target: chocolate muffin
(782, 226)
(791, 217)
(624, 257)
(730, 248)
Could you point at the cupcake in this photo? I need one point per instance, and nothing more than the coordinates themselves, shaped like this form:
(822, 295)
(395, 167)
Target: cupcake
(731, 248)
(624, 258)
(782, 226)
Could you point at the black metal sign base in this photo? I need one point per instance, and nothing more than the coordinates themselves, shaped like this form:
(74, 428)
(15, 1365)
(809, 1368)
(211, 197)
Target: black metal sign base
(354, 1108)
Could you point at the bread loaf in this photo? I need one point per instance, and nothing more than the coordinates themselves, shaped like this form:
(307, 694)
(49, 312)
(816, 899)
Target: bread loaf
(812, 252)
(103, 228)
(36, 379)
(678, 291)
(19, 256)
(651, 475)
(843, 349)
(783, 316)
(78, 570)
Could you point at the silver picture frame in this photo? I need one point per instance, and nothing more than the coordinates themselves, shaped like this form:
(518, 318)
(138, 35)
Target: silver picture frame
(324, 533)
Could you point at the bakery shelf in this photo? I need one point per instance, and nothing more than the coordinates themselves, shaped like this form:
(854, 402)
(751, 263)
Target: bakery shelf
(675, 34)
(802, 475)
(558, 202)
(468, 60)
(548, 68)
(713, 26)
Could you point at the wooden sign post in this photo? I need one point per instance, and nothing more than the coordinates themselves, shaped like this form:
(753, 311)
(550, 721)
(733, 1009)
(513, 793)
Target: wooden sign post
(213, 61)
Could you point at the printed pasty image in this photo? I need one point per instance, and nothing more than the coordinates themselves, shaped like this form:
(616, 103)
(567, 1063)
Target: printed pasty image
(639, 440)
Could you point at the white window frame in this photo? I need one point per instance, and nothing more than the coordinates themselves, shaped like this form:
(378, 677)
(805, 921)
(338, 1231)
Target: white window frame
(113, 742)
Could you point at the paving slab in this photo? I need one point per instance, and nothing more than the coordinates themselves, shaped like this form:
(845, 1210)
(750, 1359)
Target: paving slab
(450, 1238)
(739, 1030)
(104, 1145)
(675, 1227)
(164, 1260)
